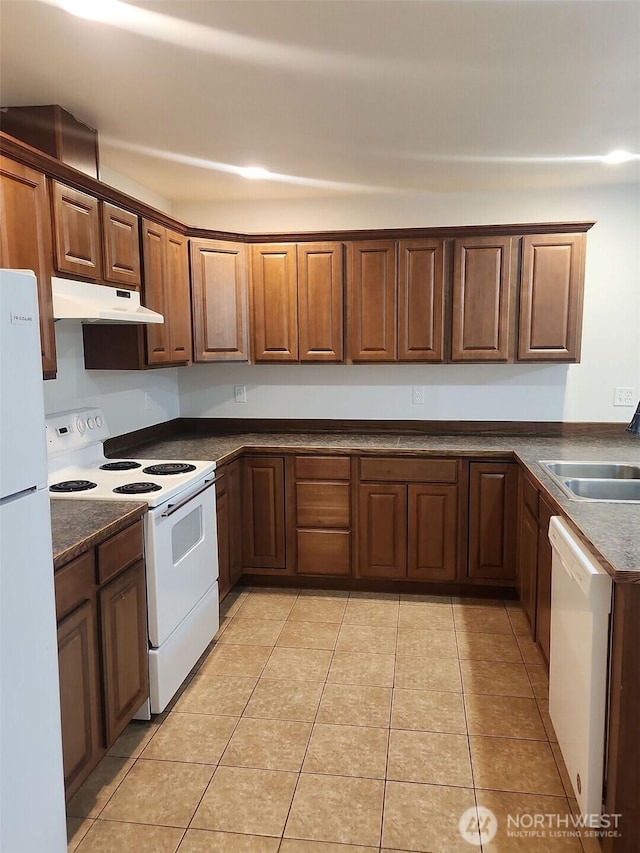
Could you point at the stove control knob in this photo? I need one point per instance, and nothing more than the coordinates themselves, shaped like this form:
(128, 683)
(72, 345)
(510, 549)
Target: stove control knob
(91, 422)
(81, 426)
(99, 421)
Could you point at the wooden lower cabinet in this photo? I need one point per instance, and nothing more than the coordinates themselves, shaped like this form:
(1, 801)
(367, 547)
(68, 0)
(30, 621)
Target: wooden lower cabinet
(123, 617)
(528, 548)
(432, 532)
(382, 527)
(263, 519)
(80, 694)
(229, 530)
(102, 649)
(493, 488)
(543, 586)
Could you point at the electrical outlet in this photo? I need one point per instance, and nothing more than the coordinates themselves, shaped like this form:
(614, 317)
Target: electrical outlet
(240, 393)
(147, 401)
(418, 395)
(624, 396)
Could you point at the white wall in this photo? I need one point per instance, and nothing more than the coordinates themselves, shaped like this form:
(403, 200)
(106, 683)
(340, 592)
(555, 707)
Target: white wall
(121, 393)
(134, 189)
(582, 392)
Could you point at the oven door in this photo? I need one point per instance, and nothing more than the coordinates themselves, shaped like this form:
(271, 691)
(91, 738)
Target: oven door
(182, 558)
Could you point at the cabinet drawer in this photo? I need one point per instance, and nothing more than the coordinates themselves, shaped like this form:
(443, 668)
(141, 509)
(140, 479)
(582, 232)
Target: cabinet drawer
(74, 583)
(322, 505)
(410, 470)
(324, 552)
(120, 551)
(529, 495)
(323, 468)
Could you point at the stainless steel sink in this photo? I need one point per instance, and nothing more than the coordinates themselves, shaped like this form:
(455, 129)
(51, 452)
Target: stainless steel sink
(594, 470)
(597, 481)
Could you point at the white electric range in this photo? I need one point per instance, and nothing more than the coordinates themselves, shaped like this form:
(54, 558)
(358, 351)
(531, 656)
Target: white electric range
(180, 538)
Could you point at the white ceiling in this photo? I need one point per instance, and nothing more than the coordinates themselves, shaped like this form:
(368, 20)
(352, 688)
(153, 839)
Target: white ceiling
(342, 95)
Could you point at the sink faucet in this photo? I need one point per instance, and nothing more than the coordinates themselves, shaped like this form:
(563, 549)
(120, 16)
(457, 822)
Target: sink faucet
(634, 426)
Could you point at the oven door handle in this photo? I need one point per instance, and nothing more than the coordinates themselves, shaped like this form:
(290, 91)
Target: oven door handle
(171, 508)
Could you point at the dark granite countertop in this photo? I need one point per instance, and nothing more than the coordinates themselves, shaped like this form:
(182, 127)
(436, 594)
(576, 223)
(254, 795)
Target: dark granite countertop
(612, 530)
(78, 525)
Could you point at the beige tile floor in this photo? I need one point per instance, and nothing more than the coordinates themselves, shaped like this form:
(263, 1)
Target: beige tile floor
(338, 723)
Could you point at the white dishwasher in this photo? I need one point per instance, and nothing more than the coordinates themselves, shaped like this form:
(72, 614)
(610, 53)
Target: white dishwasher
(578, 663)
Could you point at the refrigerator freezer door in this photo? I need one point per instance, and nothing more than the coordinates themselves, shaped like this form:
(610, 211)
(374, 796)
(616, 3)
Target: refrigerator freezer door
(32, 812)
(23, 452)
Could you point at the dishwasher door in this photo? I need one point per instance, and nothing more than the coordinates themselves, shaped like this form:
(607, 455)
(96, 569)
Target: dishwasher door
(578, 664)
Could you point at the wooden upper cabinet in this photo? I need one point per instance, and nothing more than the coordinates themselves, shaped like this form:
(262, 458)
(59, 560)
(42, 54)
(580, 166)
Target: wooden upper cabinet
(25, 242)
(421, 300)
(551, 294)
(76, 232)
(320, 301)
(178, 296)
(121, 246)
(493, 490)
(372, 303)
(155, 297)
(481, 297)
(274, 282)
(219, 293)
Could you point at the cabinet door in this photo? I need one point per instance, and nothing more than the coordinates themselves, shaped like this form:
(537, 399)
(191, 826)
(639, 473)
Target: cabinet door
(274, 280)
(493, 489)
(433, 532)
(527, 560)
(178, 300)
(25, 242)
(481, 299)
(551, 292)
(372, 288)
(421, 300)
(263, 513)
(155, 295)
(382, 530)
(320, 301)
(543, 594)
(76, 232)
(121, 246)
(123, 615)
(223, 525)
(219, 292)
(82, 745)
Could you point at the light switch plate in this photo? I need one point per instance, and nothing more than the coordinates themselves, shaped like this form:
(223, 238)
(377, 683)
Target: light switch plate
(240, 393)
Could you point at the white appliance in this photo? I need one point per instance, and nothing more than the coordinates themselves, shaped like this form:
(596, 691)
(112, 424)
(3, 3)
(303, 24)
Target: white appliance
(82, 300)
(578, 663)
(181, 548)
(32, 808)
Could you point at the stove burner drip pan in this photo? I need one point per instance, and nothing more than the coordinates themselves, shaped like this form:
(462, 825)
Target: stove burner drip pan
(137, 488)
(73, 486)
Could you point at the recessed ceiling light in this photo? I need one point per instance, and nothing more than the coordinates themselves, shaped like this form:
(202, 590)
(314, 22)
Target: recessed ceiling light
(617, 157)
(254, 173)
(95, 10)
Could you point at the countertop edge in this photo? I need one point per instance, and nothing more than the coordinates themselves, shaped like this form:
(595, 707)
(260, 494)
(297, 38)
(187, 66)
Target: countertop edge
(79, 547)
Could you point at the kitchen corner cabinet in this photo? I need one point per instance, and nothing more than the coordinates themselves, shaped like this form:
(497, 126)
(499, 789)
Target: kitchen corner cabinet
(228, 508)
(543, 585)
(219, 292)
(102, 649)
(136, 346)
(25, 242)
(408, 519)
(482, 299)
(551, 295)
(528, 503)
(319, 506)
(263, 515)
(493, 489)
(94, 240)
(297, 302)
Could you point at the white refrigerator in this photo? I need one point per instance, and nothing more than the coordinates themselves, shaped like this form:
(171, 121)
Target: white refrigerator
(32, 808)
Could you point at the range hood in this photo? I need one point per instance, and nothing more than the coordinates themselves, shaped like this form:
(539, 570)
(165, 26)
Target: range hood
(96, 303)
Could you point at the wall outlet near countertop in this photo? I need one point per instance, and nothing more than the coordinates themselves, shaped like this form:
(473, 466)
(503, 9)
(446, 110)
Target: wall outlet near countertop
(240, 393)
(147, 401)
(418, 395)
(624, 396)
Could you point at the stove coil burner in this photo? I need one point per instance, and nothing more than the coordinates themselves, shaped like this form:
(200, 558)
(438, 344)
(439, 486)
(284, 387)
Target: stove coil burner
(137, 488)
(169, 468)
(120, 465)
(73, 486)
